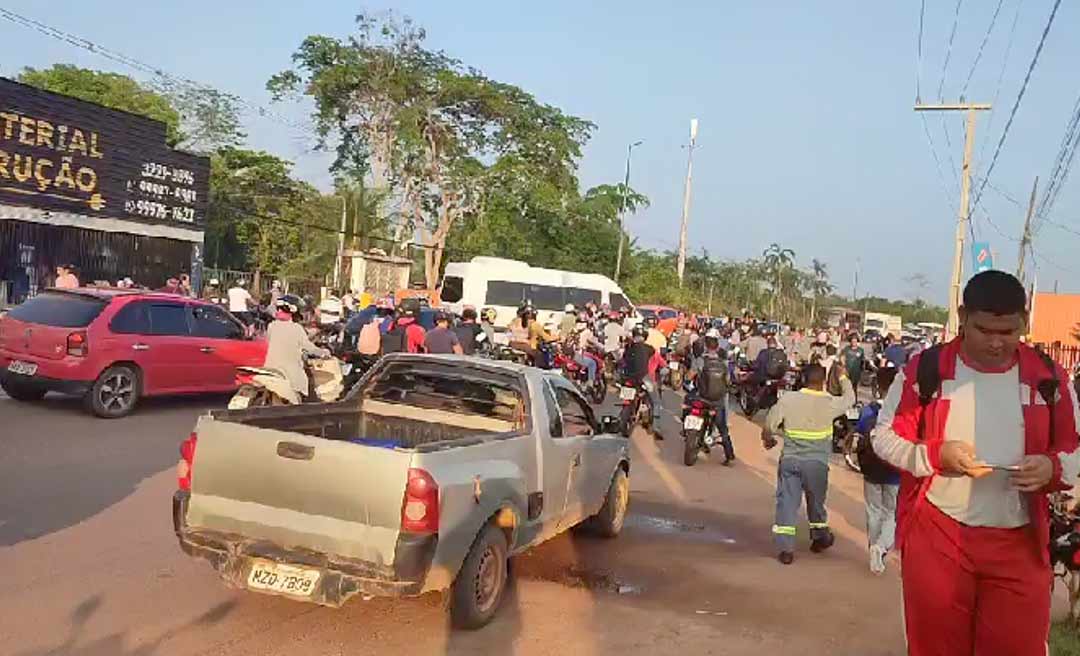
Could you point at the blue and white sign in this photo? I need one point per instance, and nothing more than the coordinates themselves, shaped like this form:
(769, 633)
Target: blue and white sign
(982, 258)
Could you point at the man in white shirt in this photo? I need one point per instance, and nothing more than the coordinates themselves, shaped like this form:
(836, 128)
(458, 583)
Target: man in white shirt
(982, 429)
(240, 302)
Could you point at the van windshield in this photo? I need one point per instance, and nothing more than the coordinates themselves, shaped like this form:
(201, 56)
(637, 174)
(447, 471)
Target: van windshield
(59, 309)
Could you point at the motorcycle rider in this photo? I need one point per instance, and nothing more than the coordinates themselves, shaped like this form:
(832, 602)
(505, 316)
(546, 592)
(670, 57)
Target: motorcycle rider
(754, 345)
(526, 333)
(487, 324)
(715, 358)
(568, 321)
(287, 342)
(766, 363)
(468, 331)
(614, 334)
(804, 419)
(581, 341)
(637, 367)
(654, 337)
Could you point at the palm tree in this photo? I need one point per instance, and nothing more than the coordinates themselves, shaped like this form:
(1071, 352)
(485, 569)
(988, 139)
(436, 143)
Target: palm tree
(777, 259)
(819, 285)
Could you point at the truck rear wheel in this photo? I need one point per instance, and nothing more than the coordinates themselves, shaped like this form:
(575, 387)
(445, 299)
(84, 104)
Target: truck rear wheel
(608, 522)
(479, 586)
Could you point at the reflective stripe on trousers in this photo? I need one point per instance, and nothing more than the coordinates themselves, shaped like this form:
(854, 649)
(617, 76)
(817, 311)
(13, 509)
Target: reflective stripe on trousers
(795, 479)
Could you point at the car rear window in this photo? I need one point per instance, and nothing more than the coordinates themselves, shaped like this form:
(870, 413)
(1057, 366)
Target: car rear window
(59, 309)
(449, 388)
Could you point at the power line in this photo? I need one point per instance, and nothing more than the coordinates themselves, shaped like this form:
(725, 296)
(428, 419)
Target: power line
(948, 48)
(1001, 77)
(937, 161)
(1062, 163)
(133, 63)
(1016, 105)
(982, 46)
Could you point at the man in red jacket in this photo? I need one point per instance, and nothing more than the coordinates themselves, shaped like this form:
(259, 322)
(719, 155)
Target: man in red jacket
(978, 455)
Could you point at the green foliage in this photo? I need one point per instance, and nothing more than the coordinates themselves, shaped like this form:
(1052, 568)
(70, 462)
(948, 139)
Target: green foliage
(1064, 639)
(109, 89)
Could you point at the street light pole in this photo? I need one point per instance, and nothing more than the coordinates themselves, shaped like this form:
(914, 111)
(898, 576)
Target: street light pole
(622, 210)
(680, 265)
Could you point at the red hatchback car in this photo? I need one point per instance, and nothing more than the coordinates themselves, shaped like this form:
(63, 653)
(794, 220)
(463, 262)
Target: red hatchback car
(112, 346)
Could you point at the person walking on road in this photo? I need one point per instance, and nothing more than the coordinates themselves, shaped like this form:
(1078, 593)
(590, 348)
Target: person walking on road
(804, 419)
(881, 481)
(854, 358)
(983, 428)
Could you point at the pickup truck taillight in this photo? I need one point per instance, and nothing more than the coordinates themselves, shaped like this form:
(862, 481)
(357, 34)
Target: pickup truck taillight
(420, 509)
(76, 344)
(187, 462)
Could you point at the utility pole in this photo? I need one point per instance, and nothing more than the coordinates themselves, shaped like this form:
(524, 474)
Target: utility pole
(855, 284)
(1025, 239)
(964, 215)
(681, 265)
(340, 246)
(622, 210)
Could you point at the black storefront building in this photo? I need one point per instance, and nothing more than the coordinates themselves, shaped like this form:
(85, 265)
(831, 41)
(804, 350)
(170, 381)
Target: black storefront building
(94, 187)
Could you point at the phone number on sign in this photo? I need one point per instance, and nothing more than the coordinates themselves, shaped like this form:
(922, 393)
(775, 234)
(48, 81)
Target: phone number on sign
(163, 172)
(155, 210)
(161, 190)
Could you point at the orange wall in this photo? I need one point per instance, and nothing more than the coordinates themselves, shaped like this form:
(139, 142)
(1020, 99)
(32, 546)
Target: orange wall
(1055, 317)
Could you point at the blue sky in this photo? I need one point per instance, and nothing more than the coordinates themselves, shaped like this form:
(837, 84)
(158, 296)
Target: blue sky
(807, 134)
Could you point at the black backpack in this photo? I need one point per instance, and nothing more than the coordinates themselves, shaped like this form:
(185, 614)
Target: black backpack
(395, 339)
(776, 365)
(712, 381)
(928, 378)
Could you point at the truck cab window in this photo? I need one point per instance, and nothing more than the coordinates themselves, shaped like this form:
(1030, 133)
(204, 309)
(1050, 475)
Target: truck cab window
(554, 419)
(577, 418)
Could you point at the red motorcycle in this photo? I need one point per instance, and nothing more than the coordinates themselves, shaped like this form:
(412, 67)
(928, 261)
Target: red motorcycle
(595, 391)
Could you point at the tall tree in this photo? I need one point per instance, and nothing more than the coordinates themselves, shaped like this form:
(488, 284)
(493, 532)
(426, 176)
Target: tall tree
(440, 134)
(777, 260)
(819, 285)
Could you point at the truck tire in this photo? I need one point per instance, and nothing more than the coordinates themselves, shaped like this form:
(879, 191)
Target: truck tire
(608, 522)
(479, 587)
(115, 392)
(22, 391)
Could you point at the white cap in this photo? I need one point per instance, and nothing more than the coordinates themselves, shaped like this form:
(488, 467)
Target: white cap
(569, 307)
(712, 333)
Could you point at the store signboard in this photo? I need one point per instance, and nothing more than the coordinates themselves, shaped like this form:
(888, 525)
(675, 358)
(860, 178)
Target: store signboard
(60, 154)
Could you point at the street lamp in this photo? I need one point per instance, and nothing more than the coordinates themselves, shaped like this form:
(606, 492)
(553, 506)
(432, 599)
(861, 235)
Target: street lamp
(622, 209)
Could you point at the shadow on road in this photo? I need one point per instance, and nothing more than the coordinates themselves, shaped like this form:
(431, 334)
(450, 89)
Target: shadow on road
(116, 644)
(60, 466)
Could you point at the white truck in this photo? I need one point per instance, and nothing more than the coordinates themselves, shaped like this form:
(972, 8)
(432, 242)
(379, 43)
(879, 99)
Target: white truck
(885, 324)
(428, 476)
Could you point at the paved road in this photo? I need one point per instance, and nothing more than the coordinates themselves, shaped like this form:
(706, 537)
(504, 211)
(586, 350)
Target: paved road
(91, 566)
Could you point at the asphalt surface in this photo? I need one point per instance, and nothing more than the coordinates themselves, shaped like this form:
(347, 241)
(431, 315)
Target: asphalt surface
(91, 565)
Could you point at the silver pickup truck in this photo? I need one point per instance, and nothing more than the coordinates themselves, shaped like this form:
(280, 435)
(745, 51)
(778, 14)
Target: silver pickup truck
(429, 476)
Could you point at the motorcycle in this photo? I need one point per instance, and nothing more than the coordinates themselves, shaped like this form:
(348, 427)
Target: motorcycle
(698, 416)
(676, 370)
(353, 367)
(845, 440)
(636, 407)
(259, 386)
(579, 375)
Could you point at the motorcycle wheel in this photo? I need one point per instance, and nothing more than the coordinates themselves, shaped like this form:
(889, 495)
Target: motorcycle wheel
(645, 414)
(691, 447)
(746, 403)
(626, 419)
(598, 392)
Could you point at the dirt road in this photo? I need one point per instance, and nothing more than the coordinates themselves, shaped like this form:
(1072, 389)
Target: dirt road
(91, 565)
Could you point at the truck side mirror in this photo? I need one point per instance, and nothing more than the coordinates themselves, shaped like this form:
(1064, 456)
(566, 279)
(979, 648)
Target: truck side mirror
(609, 424)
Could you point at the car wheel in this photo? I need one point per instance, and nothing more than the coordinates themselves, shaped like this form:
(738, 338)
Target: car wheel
(479, 586)
(608, 522)
(115, 393)
(22, 391)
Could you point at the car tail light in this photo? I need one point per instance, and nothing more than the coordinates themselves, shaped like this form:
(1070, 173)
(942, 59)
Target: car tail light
(187, 462)
(420, 509)
(76, 344)
(244, 378)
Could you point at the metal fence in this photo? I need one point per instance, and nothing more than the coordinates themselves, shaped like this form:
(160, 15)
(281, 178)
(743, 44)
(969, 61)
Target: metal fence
(1066, 355)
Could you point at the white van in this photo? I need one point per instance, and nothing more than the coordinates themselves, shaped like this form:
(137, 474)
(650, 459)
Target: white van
(504, 285)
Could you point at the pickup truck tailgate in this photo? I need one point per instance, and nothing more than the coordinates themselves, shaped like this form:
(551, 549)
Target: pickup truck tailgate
(298, 491)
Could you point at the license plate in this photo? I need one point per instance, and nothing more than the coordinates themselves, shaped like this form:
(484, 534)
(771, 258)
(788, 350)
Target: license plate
(22, 368)
(628, 394)
(673, 365)
(780, 393)
(285, 579)
(853, 414)
(693, 422)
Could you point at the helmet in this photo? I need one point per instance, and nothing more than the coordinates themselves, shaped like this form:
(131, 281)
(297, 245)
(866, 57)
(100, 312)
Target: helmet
(639, 332)
(526, 309)
(712, 333)
(409, 307)
(651, 321)
(570, 308)
(290, 303)
(440, 315)
(488, 314)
